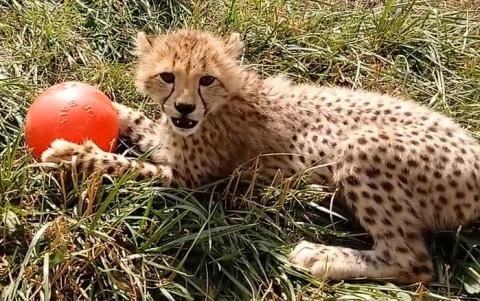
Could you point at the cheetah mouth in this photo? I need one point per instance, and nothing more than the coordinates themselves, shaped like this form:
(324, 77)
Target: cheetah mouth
(184, 123)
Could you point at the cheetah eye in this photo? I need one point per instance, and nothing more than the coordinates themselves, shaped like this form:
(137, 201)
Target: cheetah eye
(167, 77)
(206, 80)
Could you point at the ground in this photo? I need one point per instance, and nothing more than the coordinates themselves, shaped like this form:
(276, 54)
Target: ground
(118, 238)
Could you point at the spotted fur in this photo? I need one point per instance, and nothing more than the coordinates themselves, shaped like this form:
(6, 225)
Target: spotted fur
(402, 168)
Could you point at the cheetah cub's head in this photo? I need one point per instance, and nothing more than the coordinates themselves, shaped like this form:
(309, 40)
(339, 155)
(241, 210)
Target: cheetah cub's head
(191, 74)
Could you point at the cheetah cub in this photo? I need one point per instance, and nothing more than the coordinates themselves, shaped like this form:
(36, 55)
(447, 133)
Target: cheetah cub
(402, 168)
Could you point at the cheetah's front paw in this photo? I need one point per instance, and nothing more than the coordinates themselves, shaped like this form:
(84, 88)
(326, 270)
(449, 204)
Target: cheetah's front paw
(63, 151)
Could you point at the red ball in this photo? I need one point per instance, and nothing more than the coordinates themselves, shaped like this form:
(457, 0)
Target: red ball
(72, 111)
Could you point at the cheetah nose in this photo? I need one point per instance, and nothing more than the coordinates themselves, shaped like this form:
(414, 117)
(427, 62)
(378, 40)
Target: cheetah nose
(184, 108)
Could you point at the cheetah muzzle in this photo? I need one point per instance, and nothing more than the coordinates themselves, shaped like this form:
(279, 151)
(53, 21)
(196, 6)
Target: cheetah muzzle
(402, 168)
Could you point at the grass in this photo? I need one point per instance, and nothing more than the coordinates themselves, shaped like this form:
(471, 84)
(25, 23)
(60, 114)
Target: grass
(118, 239)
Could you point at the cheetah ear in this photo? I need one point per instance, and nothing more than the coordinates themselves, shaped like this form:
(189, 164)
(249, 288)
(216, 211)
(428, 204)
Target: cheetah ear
(144, 43)
(233, 45)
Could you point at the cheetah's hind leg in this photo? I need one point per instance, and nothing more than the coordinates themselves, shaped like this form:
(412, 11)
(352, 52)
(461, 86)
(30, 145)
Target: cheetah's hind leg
(331, 262)
(383, 207)
(395, 262)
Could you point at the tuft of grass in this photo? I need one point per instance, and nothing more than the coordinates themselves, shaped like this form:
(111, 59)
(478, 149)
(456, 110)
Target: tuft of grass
(101, 238)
